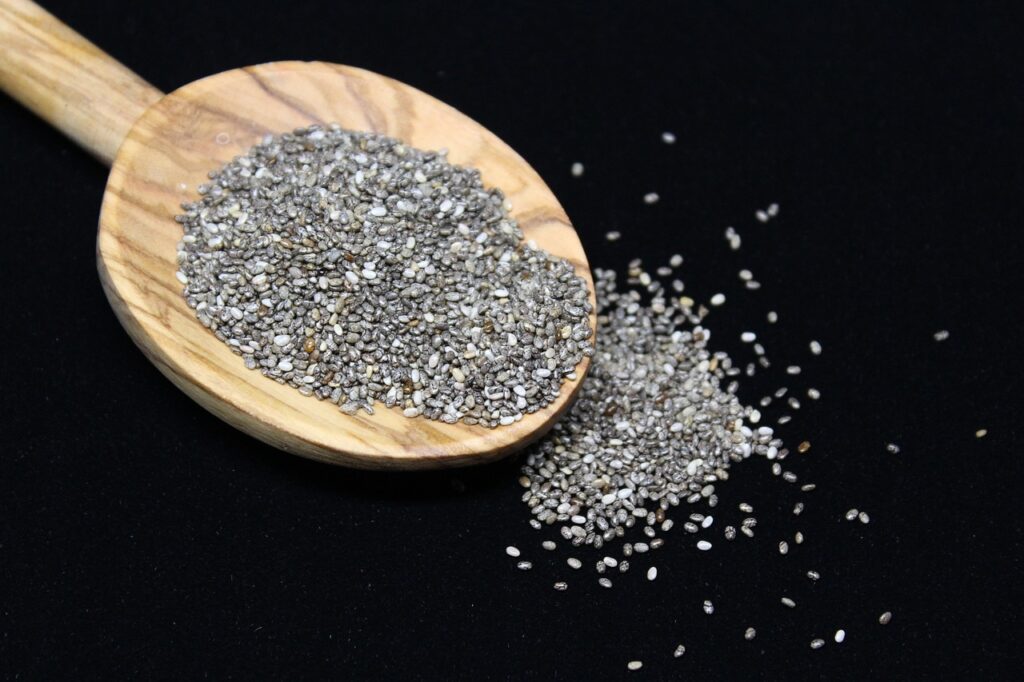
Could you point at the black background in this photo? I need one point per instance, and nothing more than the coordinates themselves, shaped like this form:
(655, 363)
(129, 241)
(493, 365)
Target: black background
(141, 537)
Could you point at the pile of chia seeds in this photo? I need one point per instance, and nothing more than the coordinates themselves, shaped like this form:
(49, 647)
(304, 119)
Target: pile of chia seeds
(657, 425)
(360, 270)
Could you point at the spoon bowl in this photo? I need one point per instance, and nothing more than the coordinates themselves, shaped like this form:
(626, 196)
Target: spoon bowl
(205, 124)
(164, 149)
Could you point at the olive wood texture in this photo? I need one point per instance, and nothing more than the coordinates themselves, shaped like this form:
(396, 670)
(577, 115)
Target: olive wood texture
(162, 147)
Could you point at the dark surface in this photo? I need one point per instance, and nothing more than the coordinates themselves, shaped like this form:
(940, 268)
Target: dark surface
(141, 537)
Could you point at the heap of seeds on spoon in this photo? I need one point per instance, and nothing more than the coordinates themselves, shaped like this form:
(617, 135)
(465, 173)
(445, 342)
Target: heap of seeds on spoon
(360, 270)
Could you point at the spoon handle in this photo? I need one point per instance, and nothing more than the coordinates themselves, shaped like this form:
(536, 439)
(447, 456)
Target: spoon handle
(66, 80)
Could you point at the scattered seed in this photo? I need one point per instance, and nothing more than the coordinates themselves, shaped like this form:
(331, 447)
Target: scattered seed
(783, 547)
(717, 299)
(803, 447)
(941, 335)
(840, 636)
(773, 317)
(786, 601)
(813, 575)
(798, 538)
(577, 169)
(703, 545)
(851, 514)
(574, 563)
(813, 393)
(651, 198)
(561, 586)
(709, 608)
(613, 236)
(981, 433)
(524, 565)
(668, 138)
(885, 618)
(634, 665)
(512, 551)
(548, 545)
(817, 643)
(604, 582)
(750, 634)
(864, 518)
(652, 572)
(893, 448)
(815, 348)
(733, 238)
(680, 650)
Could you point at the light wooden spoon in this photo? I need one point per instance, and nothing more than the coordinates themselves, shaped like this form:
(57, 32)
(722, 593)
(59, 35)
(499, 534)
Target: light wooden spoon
(160, 147)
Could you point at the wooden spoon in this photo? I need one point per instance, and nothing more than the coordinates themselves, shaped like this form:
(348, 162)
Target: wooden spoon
(160, 147)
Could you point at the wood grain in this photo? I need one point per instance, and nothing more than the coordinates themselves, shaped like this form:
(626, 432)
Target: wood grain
(201, 126)
(67, 80)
